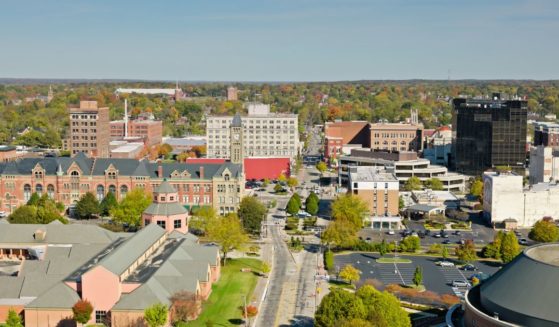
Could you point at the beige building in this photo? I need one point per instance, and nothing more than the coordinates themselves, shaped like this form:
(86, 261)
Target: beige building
(544, 164)
(396, 136)
(264, 134)
(380, 190)
(89, 130)
(232, 93)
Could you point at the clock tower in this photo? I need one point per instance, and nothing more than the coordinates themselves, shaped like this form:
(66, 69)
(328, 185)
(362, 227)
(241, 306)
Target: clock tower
(236, 143)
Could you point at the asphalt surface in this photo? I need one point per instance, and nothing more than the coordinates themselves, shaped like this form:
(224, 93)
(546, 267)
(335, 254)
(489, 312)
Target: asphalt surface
(435, 278)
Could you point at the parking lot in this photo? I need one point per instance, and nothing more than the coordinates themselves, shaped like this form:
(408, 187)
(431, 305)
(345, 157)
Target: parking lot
(435, 278)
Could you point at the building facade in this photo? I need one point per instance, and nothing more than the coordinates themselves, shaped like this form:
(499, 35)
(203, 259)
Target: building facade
(151, 131)
(337, 134)
(219, 185)
(544, 164)
(8, 153)
(379, 189)
(89, 130)
(404, 164)
(546, 134)
(505, 199)
(488, 133)
(263, 135)
(438, 147)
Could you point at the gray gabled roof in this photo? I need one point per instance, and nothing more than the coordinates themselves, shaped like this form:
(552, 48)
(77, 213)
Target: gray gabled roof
(165, 209)
(165, 187)
(59, 296)
(129, 251)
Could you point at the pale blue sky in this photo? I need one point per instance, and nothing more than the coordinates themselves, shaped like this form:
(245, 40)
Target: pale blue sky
(280, 40)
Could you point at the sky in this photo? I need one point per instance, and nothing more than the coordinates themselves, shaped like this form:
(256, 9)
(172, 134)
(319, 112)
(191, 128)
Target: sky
(280, 40)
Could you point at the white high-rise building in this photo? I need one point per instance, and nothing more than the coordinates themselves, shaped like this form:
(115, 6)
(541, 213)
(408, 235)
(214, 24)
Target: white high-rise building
(264, 134)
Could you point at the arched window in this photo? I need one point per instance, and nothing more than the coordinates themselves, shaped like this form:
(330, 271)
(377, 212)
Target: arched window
(100, 192)
(39, 189)
(38, 174)
(394, 142)
(403, 143)
(226, 177)
(123, 191)
(26, 192)
(74, 173)
(50, 191)
(112, 189)
(111, 175)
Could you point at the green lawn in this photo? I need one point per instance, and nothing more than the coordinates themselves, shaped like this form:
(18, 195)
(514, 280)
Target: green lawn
(393, 260)
(226, 298)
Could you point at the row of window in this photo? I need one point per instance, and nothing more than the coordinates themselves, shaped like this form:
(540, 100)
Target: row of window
(84, 116)
(100, 190)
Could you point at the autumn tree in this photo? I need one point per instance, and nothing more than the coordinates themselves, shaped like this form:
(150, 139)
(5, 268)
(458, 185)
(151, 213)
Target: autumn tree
(337, 306)
(412, 184)
(203, 218)
(82, 311)
(228, 233)
(383, 308)
(292, 182)
(350, 208)
(321, 167)
(466, 252)
(185, 306)
(350, 274)
(544, 231)
(129, 210)
(340, 233)
(165, 150)
(156, 315)
(509, 247)
(476, 188)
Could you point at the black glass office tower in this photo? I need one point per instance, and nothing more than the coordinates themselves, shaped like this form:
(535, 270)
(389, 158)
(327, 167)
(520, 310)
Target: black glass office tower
(488, 133)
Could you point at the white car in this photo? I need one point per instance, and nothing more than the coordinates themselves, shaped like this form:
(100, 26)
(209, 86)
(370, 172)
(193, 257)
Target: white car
(446, 264)
(460, 283)
(390, 232)
(3, 214)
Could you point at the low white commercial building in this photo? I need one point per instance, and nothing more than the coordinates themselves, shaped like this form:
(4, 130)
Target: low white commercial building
(544, 164)
(505, 198)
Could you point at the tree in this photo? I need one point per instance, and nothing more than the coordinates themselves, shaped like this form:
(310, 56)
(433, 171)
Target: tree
(410, 244)
(282, 179)
(82, 311)
(382, 248)
(401, 203)
(340, 233)
(129, 210)
(203, 218)
(544, 231)
(292, 182)
(185, 306)
(278, 188)
(312, 197)
(312, 208)
(435, 184)
(87, 206)
(412, 184)
(466, 252)
(350, 208)
(252, 212)
(228, 233)
(44, 211)
(444, 252)
(476, 189)
(418, 276)
(509, 247)
(297, 198)
(108, 203)
(321, 167)
(383, 308)
(165, 150)
(339, 305)
(156, 315)
(13, 319)
(292, 207)
(34, 199)
(350, 273)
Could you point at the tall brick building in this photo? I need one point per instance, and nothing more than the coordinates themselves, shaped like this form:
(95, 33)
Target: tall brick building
(151, 131)
(89, 130)
(65, 179)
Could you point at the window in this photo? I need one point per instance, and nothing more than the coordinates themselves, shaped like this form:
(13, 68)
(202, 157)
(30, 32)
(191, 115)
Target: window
(27, 192)
(161, 223)
(146, 222)
(50, 191)
(177, 223)
(100, 192)
(112, 189)
(226, 177)
(38, 174)
(100, 317)
(123, 191)
(162, 199)
(74, 174)
(39, 189)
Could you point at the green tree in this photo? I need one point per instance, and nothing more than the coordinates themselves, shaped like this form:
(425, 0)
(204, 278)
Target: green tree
(278, 188)
(412, 184)
(252, 212)
(297, 198)
(418, 276)
(108, 203)
(87, 206)
(350, 273)
(383, 308)
(410, 244)
(293, 206)
(44, 211)
(339, 305)
(350, 208)
(203, 218)
(312, 207)
(476, 189)
(466, 252)
(544, 231)
(401, 203)
(321, 167)
(444, 252)
(26, 214)
(129, 210)
(340, 233)
(34, 199)
(228, 233)
(156, 315)
(509, 247)
(312, 197)
(435, 184)
(382, 248)
(292, 182)
(493, 249)
(13, 319)
(82, 311)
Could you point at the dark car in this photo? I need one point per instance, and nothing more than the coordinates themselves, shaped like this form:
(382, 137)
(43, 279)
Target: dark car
(457, 233)
(469, 267)
(446, 242)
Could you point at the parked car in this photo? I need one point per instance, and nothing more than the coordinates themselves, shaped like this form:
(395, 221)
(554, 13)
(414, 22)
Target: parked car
(460, 283)
(3, 214)
(523, 241)
(446, 242)
(446, 264)
(390, 232)
(469, 267)
(414, 234)
(437, 235)
(457, 233)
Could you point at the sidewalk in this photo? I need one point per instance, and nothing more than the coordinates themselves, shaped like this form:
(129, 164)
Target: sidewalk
(267, 255)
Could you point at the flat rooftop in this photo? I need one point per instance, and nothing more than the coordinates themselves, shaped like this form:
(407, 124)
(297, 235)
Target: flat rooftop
(371, 174)
(545, 253)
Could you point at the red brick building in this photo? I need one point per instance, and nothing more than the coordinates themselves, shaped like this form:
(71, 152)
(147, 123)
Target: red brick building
(8, 153)
(151, 131)
(219, 185)
(89, 130)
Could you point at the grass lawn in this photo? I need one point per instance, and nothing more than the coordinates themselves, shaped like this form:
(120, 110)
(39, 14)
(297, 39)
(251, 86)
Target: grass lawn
(223, 305)
(340, 284)
(393, 260)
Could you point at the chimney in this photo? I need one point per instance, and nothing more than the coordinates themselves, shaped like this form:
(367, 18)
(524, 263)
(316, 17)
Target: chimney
(40, 235)
(159, 171)
(201, 172)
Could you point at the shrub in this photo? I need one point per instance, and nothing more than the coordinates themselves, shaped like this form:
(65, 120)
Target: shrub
(329, 260)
